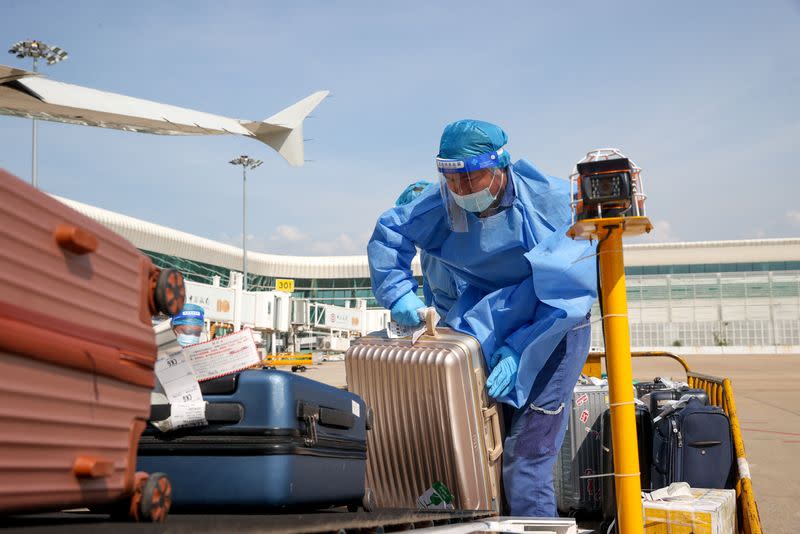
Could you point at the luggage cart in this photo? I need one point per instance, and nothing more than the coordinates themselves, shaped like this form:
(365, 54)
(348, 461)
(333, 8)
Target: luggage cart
(720, 393)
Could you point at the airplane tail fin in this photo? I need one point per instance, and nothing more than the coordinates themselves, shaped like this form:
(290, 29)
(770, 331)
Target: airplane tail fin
(284, 130)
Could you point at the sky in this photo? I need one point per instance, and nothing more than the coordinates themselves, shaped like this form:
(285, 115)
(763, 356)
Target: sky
(702, 95)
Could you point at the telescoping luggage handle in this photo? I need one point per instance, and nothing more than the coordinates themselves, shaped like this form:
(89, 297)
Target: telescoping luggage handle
(314, 414)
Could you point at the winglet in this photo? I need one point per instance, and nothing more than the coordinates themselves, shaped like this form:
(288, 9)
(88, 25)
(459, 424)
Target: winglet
(284, 130)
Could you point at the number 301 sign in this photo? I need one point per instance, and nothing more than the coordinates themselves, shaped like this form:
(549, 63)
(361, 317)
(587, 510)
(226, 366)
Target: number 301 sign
(286, 286)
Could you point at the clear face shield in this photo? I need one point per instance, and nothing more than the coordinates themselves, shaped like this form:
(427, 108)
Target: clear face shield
(470, 185)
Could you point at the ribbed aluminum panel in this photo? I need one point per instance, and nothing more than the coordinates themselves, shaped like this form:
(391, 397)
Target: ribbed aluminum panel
(51, 416)
(580, 454)
(104, 290)
(432, 419)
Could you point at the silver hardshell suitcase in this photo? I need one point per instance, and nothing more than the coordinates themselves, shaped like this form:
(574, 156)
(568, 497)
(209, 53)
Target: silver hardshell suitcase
(433, 421)
(575, 478)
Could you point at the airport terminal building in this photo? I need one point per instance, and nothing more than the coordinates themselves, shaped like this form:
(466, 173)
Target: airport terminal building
(725, 295)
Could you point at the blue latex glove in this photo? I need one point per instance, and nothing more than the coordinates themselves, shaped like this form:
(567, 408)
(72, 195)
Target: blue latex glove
(504, 363)
(404, 311)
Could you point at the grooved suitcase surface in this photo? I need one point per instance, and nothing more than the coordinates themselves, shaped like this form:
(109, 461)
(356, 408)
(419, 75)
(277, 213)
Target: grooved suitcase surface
(97, 296)
(580, 454)
(76, 355)
(430, 420)
(50, 416)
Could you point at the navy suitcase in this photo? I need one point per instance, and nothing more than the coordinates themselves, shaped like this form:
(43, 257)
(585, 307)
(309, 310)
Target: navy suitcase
(693, 444)
(274, 440)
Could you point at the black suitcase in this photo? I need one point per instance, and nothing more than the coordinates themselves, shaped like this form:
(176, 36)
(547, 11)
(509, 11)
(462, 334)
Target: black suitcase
(693, 444)
(644, 435)
(643, 388)
(274, 440)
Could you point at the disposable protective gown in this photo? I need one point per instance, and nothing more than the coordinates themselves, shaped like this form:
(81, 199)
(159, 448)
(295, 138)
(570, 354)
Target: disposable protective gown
(520, 280)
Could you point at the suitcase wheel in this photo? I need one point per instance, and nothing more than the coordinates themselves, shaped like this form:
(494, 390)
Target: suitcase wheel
(152, 498)
(367, 502)
(169, 294)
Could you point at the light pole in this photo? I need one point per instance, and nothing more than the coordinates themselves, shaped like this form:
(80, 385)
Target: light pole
(247, 163)
(52, 55)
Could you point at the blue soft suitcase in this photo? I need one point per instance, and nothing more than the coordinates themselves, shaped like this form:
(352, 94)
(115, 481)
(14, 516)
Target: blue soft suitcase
(693, 444)
(274, 440)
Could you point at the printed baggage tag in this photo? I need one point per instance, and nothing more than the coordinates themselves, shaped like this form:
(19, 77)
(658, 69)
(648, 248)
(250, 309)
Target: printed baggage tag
(177, 379)
(223, 355)
(183, 415)
(397, 331)
(437, 497)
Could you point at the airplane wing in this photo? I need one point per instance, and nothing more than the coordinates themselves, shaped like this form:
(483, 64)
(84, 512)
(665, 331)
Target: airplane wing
(27, 94)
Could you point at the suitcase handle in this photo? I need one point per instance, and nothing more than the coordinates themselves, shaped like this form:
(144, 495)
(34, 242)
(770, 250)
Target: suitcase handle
(75, 239)
(324, 415)
(430, 323)
(496, 451)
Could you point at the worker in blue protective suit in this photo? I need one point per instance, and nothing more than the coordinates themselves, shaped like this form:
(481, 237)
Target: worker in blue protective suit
(440, 288)
(524, 289)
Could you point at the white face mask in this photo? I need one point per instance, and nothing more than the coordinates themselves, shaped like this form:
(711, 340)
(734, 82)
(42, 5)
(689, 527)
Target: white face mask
(184, 340)
(478, 201)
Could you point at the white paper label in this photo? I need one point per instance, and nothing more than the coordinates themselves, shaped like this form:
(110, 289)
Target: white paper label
(223, 356)
(396, 331)
(437, 497)
(356, 409)
(176, 377)
(184, 415)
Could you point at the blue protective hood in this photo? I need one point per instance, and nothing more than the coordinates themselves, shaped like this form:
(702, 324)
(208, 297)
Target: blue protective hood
(469, 137)
(191, 314)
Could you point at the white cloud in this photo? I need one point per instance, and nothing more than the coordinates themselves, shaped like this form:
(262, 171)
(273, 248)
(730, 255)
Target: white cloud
(793, 217)
(662, 232)
(285, 232)
(343, 245)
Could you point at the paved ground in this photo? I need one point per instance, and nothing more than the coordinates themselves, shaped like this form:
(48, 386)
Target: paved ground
(768, 403)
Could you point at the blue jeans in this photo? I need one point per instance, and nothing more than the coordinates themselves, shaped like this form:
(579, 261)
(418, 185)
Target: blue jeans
(537, 429)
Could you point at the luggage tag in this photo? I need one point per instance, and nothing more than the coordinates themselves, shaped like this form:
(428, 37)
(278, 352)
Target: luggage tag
(429, 317)
(177, 379)
(223, 355)
(437, 497)
(187, 408)
(183, 415)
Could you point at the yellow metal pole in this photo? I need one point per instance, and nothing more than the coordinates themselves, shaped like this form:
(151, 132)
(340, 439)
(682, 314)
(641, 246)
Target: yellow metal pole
(620, 381)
